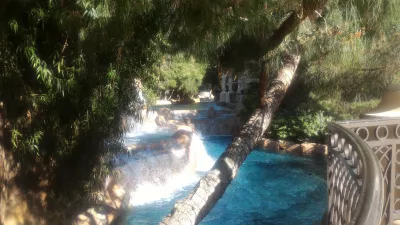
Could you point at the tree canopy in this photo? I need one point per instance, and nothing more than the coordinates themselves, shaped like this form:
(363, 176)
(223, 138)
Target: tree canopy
(179, 74)
(68, 68)
(67, 80)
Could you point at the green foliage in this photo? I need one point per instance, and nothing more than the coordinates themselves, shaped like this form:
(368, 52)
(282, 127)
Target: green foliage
(341, 110)
(349, 58)
(303, 116)
(181, 74)
(250, 101)
(303, 125)
(68, 69)
(150, 95)
(67, 79)
(296, 122)
(67, 74)
(350, 53)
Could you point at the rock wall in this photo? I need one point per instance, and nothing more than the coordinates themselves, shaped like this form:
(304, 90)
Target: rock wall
(207, 122)
(288, 147)
(228, 125)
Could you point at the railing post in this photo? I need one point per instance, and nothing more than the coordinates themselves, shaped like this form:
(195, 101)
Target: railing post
(392, 184)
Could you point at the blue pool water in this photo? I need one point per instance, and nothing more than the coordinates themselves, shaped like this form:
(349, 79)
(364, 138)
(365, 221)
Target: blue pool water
(193, 106)
(269, 189)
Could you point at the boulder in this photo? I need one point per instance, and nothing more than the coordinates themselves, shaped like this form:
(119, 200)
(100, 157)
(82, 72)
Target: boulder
(321, 150)
(182, 138)
(285, 145)
(179, 127)
(267, 144)
(166, 113)
(294, 149)
(314, 149)
(114, 199)
(308, 148)
(160, 121)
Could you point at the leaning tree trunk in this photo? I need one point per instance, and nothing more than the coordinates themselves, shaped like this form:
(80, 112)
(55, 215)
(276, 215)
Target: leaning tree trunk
(262, 83)
(213, 185)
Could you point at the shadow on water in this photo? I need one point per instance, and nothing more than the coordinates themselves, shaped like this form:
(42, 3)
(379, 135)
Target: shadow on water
(310, 166)
(273, 189)
(269, 189)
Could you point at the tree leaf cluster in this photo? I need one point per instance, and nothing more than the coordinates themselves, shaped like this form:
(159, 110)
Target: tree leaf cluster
(180, 74)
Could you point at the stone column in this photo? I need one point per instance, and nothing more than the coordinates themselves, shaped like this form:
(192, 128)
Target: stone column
(239, 85)
(230, 87)
(230, 83)
(239, 96)
(223, 87)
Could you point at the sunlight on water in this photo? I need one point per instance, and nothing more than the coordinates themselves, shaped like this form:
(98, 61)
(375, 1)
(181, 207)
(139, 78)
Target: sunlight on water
(201, 159)
(157, 178)
(149, 192)
(269, 189)
(147, 127)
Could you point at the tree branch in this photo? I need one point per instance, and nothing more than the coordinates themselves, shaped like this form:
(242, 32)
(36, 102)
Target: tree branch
(213, 185)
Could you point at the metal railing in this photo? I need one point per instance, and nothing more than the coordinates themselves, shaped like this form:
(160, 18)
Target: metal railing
(355, 180)
(383, 137)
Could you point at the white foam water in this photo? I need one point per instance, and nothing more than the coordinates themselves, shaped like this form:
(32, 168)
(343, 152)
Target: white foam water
(146, 127)
(158, 177)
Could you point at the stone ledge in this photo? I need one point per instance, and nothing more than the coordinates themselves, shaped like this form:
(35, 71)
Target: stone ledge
(281, 146)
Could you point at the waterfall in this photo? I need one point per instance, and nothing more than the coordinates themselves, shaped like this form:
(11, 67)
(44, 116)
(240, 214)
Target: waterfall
(150, 178)
(202, 160)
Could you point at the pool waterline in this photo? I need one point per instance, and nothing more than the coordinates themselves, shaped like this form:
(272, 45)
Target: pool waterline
(192, 106)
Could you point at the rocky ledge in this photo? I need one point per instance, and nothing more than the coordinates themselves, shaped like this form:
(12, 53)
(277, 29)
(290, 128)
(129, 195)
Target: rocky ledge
(288, 147)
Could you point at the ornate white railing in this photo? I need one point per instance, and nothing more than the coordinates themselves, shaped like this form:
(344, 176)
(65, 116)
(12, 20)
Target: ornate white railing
(355, 181)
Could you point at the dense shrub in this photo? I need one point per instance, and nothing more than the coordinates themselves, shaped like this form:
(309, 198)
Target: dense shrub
(303, 125)
(303, 116)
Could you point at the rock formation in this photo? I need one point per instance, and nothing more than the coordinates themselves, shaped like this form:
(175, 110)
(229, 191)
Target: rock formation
(281, 146)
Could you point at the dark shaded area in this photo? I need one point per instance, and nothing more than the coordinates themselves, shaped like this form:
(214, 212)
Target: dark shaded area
(238, 51)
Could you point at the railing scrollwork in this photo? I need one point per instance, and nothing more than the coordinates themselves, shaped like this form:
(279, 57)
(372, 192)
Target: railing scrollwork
(383, 137)
(355, 181)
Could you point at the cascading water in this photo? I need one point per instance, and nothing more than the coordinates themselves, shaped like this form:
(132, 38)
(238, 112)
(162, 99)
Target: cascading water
(269, 188)
(150, 177)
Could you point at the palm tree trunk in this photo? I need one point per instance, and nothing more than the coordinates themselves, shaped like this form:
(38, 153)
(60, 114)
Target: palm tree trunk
(262, 82)
(213, 185)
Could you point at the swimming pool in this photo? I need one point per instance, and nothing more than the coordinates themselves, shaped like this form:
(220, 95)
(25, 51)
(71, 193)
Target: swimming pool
(269, 189)
(193, 106)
